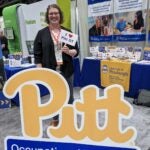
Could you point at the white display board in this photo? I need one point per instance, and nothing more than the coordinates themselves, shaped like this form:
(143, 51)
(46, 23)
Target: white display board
(31, 19)
(100, 8)
(129, 6)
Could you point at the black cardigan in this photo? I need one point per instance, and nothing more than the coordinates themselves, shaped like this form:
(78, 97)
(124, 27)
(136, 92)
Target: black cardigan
(44, 52)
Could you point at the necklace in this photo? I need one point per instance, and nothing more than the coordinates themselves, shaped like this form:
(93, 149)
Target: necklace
(55, 35)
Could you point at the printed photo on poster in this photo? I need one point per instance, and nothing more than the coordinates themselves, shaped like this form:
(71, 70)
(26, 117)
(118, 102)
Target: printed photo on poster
(130, 20)
(128, 23)
(101, 27)
(96, 28)
(100, 20)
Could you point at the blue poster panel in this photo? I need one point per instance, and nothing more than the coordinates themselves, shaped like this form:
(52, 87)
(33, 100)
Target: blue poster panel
(100, 20)
(130, 20)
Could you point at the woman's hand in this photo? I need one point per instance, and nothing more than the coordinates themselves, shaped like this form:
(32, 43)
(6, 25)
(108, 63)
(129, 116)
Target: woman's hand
(3, 45)
(70, 52)
(39, 65)
(65, 49)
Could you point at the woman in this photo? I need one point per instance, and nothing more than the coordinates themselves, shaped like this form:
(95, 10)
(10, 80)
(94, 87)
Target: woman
(4, 44)
(45, 45)
(96, 29)
(138, 23)
(107, 29)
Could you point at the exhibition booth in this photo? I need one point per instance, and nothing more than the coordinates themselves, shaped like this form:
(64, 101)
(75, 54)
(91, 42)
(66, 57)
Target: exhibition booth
(113, 64)
(94, 72)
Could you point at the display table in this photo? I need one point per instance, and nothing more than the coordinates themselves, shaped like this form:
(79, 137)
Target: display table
(10, 71)
(139, 77)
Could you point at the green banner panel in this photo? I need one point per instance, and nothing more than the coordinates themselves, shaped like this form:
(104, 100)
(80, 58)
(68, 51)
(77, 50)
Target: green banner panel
(65, 6)
(11, 22)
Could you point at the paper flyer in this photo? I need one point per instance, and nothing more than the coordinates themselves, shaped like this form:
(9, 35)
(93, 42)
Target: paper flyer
(68, 37)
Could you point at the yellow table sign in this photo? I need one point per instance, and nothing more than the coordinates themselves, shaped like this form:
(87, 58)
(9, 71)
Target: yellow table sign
(115, 72)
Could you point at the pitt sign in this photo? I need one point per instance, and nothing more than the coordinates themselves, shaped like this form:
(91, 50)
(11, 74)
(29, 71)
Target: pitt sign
(89, 135)
(68, 37)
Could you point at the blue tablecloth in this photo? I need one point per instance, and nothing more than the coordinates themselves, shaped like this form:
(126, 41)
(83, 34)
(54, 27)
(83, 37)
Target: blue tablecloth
(10, 71)
(77, 73)
(90, 72)
(139, 78)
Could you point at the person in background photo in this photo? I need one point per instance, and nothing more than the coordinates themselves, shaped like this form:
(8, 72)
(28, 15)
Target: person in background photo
(138, 24)
(4, 44)
(121, 24)
(44, 49)
(96, 29)
(107, 28)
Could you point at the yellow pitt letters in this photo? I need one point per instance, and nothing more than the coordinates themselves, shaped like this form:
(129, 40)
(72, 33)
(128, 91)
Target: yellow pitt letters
(32, 112)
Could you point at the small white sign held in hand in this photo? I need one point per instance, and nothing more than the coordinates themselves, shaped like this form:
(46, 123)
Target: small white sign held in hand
(68, 37)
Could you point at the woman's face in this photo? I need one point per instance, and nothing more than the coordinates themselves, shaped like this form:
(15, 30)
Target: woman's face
(98, 23)
(135, 17)
(54, 16)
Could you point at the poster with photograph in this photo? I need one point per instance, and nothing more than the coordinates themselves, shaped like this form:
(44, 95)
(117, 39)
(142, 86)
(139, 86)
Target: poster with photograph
(130, 20)
(100, 20)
